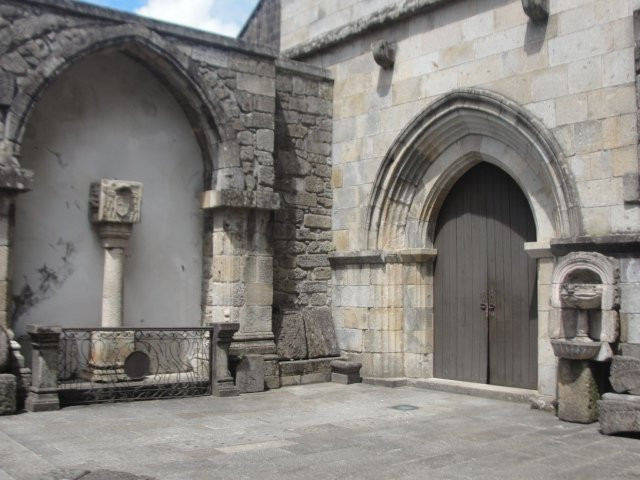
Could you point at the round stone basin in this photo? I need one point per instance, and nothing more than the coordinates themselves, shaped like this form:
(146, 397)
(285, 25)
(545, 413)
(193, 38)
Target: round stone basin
(581, 295)
(575, 349)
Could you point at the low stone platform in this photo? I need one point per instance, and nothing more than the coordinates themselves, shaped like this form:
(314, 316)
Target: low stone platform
(301, 372)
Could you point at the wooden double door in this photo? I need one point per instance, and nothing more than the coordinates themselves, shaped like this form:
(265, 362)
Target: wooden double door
(485, 306)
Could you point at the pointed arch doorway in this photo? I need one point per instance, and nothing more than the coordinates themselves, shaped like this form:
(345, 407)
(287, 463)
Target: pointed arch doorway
(485, 306)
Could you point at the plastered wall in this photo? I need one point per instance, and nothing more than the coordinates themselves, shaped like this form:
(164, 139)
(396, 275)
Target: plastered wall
(108, 117)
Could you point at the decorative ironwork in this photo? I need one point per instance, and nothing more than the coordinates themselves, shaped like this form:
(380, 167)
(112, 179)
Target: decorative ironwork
(125, 364)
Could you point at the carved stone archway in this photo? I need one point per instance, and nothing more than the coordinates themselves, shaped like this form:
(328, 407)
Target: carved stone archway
(462, 128)
(455, 133)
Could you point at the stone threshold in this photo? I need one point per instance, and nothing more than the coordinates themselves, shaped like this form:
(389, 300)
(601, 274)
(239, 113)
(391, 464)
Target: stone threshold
(495, 392)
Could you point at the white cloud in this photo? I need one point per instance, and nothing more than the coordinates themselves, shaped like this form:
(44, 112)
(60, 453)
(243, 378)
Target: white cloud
(200, 14)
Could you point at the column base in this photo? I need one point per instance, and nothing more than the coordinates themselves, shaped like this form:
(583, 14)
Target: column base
(224, 387)
(108, 374)
(42, 402)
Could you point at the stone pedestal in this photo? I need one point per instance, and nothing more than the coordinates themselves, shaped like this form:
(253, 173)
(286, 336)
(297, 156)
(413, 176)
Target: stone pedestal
(250, 374)
(43, 394)
(108, 353)
(223, 384)
(577, 392)
(619, 413)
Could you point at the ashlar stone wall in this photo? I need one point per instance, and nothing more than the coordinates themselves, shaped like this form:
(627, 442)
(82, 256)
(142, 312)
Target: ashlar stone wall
(308, 19)
(573, 73)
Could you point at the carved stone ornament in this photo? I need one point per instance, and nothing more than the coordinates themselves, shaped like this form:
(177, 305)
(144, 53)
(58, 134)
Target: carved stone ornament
(116, 201)
(536, 10)
(585, 297)
(384, 53)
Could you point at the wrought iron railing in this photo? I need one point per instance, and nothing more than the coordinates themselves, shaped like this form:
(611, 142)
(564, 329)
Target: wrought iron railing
(124, 364)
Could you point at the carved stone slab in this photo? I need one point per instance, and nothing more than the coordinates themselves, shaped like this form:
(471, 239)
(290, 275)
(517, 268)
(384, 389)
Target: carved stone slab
(116, 201)
(625, 374)
(619, 413)
(290, 337)
(321, 336)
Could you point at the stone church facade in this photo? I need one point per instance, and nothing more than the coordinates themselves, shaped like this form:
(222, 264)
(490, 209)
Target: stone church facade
(445, 191)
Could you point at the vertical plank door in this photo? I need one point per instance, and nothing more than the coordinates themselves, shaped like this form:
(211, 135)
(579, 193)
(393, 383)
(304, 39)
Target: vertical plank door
(485, 312)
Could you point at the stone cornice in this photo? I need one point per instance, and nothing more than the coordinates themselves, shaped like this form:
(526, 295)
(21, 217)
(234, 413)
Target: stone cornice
(213, 199)
(379, 18)
(620, 243)
(198, 36)
(360, 257)
(304, 69)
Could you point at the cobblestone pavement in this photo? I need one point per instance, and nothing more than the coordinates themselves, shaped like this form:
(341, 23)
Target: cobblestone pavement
(322, 431)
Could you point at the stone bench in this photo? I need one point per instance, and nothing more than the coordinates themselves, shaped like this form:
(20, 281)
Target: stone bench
(345, 372)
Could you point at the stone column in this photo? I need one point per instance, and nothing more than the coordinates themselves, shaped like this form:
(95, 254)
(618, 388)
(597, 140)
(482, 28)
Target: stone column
(115, 206)
(43, 394)
(114, 238)
(239, 272)
(223, 384)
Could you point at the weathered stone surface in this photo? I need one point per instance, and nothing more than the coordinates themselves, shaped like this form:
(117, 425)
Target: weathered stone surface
(291, 340)
(619, 413)
(250, 374)
(306, 367)
(345, 372)
(7, 393)
(536, 10)
(384, 53)
(7, 85)
(575, 350)
(631, 188)
(321, 336)
(577, 392)
(630, 350)
(5, 351)
(625, 374)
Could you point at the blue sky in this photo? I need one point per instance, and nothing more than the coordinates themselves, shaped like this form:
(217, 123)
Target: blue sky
(219, 16)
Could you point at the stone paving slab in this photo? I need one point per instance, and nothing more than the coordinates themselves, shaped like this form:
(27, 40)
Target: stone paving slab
(320, 431)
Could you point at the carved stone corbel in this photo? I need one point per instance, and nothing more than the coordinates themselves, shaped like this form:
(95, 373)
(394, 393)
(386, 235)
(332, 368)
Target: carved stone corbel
(536, 10)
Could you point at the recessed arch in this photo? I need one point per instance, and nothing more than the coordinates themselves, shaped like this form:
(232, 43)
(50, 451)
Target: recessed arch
(457, 131)
(211, 125)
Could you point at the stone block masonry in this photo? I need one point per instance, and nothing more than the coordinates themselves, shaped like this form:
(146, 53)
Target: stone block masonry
(302, 228)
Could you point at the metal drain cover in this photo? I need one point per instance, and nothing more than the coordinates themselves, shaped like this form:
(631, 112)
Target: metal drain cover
(404, 408)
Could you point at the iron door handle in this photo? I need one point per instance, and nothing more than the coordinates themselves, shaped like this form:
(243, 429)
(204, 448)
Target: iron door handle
(483, 306)
(491, 307)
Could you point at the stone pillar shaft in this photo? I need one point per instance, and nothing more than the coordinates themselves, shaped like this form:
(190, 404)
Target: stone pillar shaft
(112, 287)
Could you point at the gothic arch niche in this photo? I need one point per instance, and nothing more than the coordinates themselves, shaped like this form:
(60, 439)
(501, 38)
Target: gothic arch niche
(458, 131)
(107, 116)
(211, 126)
